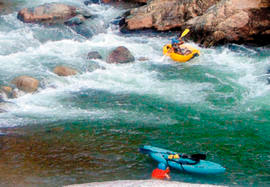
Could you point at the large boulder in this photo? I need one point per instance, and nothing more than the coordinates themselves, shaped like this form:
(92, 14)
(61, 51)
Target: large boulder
(53, 13)
(64, 71)
(234, 21)
(165, 14)
(26, 83)
(212, 22)
(120, 55)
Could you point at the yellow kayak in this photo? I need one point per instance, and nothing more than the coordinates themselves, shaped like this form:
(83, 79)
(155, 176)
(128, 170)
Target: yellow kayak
(178, 57)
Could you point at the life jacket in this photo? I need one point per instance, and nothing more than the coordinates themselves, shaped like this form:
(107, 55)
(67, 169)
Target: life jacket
(159, 173)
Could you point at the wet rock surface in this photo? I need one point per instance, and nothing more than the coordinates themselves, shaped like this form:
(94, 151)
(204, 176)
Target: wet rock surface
(120, 55)
(94, 55)
(64, 71)
(165, 14)
(6, 92)
(53, 13)
(233, 21)
(211, 22)
(26, 83)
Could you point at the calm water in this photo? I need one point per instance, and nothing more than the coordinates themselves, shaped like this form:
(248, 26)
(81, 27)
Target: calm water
(88, 127)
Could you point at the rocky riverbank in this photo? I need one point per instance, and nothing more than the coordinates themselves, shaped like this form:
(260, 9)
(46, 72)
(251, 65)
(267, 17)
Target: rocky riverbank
(211, 22)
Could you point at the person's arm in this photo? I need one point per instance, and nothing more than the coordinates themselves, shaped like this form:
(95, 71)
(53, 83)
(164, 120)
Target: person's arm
(167, 176)
(167, 173)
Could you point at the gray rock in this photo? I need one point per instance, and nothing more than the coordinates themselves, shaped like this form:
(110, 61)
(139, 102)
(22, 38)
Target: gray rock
(94, 55)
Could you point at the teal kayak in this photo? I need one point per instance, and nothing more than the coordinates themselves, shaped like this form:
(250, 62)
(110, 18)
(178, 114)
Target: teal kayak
(186, 163)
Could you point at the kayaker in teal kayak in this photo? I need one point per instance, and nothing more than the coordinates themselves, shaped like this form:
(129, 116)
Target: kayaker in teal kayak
(162, 172)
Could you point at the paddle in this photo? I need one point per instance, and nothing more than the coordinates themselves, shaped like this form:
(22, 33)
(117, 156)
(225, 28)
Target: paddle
(186, 31)
(195, 157)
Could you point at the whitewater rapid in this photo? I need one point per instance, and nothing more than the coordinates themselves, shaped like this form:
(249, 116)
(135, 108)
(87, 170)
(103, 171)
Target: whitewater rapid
(223, 75)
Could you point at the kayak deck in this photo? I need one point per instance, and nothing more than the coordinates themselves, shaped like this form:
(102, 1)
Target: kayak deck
(178, 57)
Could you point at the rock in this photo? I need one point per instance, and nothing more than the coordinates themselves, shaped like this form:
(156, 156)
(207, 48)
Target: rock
(94, 55)
(6, 92)
(110, 1)
(143, 59)
(233, 21)
(120, 55)
(144, 183)
(212, 22)
(52, 13)
(165, 14)
(26, 83)
(77, 20)
(6, 7)
(91, 2)
(64, 71)
(84, 30)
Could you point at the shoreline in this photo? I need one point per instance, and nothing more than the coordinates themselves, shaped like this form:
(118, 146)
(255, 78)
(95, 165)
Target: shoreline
(142, 183)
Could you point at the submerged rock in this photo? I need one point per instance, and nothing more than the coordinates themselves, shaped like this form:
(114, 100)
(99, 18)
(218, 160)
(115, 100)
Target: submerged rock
(120, 55)
(143, 59)
(77, 20)
(91, 2)
(64, 71)
(94, 55)
(6, 92)
(26, 83)
(53, 13)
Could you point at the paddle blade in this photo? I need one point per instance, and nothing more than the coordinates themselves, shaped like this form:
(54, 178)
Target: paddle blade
(184, 33)
(198, 156)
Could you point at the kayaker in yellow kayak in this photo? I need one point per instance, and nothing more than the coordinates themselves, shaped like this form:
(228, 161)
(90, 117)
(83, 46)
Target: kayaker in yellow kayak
(177, 48)
(178, 51)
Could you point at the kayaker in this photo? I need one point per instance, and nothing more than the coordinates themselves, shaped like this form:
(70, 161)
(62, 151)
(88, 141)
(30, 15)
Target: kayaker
(162, 172)
(177, 48)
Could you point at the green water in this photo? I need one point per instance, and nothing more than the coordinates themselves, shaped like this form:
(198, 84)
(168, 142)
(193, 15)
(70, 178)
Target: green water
(107, 149)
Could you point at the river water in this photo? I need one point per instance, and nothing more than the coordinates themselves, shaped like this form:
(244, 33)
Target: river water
(88, 127)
